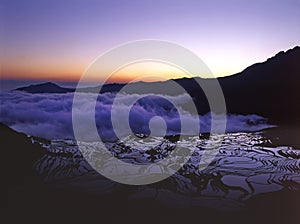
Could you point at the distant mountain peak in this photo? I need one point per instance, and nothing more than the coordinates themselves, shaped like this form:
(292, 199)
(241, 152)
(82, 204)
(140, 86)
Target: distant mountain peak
(48, 83)
(47, 87)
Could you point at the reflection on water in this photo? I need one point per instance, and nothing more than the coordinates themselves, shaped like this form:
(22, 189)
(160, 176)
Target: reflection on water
(246, 165)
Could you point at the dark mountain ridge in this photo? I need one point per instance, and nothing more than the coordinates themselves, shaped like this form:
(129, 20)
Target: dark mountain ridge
(268, 88)
(47, 87)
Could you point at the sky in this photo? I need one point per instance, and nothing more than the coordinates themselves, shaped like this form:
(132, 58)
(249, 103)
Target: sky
(58, 39)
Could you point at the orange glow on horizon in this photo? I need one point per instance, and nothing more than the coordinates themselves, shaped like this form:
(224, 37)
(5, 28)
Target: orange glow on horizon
(141, 71)
(148, 71)
(40, 73)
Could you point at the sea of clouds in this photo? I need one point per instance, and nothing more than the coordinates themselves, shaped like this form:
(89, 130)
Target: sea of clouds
(50, 115)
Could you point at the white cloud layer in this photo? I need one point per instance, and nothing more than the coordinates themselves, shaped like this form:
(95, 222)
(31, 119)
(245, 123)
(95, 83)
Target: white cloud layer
(50, 115)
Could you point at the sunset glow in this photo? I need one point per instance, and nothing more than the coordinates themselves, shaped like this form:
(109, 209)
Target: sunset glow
(42, 42)
(147, 71)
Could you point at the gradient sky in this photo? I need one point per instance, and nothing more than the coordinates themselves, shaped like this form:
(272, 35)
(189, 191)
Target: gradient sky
(58, 39)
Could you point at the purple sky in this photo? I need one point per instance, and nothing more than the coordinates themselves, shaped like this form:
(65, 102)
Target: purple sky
(58, 39)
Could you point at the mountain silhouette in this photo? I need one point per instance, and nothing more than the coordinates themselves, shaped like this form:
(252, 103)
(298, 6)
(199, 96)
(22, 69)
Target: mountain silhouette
(47, 87)
(269, 89)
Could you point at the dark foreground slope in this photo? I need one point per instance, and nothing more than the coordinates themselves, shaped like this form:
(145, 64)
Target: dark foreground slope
(33, 201)
(19, 155)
